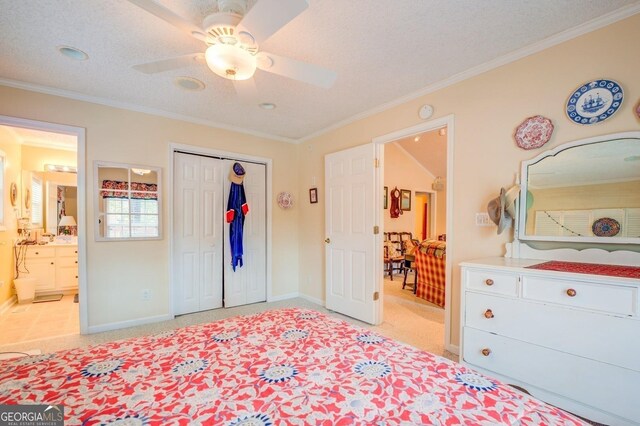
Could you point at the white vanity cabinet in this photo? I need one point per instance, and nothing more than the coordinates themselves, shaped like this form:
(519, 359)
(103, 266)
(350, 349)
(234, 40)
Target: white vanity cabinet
(55, 267)
(570, 339)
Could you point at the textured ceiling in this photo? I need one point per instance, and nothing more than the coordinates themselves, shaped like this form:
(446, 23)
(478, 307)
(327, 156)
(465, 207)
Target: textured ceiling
(381, 50)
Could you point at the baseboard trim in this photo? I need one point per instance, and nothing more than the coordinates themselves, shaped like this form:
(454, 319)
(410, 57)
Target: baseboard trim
(452, 348)
(8, 304)
(283, 297)
(126, 324)
(311, 299)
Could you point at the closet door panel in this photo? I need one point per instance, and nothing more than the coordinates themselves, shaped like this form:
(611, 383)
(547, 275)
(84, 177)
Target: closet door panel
(248, 284)
(211, 237)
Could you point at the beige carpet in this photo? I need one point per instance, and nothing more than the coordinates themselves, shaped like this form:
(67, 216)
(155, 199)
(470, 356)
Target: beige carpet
(405, 321)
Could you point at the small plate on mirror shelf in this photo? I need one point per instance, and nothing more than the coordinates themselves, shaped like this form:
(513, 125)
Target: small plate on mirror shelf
(594, 101)
(605, 227)
(533, 132)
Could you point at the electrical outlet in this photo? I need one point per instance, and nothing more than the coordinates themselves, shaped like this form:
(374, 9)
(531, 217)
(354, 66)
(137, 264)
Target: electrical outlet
(482, 219)
(145, 294)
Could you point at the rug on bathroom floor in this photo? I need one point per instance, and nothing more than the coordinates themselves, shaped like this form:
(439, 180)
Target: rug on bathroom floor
(48, 298)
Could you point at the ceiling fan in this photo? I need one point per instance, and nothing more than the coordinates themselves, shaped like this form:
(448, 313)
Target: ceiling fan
(233, 35)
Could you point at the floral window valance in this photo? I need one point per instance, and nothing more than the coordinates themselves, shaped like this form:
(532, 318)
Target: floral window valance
(119, 189)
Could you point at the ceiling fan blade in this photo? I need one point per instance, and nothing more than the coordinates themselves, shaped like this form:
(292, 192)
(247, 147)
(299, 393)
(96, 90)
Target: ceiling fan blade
(266, 17)
(166, 15)
(170, 64)
(297, 70)
(246, 90)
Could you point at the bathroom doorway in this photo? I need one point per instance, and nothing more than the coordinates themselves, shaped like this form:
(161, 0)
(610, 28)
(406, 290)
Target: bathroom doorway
(45, 238)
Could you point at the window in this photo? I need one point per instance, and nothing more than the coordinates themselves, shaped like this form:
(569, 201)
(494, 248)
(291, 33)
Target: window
(128, 202)
(36, 201)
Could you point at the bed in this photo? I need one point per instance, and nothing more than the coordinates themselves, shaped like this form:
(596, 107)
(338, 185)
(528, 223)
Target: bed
(281, 367)
(431, 259)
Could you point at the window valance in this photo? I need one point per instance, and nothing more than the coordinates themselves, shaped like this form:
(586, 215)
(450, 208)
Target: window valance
(120, 189)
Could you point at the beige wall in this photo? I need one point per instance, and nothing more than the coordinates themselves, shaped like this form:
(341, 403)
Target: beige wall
(118, 271)
(487, 109)
(12, 172)
(402, 171)
(34, 157)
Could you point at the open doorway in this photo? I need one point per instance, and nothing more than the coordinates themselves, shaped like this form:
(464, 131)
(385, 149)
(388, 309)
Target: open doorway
(44, 230)
(416, 168)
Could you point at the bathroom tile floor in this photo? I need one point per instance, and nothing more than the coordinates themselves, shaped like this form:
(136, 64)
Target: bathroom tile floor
(34, 321)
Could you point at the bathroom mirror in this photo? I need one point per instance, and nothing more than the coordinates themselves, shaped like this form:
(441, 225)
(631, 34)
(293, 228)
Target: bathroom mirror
(127, 202)
(583, 191)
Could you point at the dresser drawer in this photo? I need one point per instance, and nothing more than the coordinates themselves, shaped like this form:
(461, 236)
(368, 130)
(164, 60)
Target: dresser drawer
(67, 251)
(597, 336)
(491, 281)
(37, 252)
(67, 262)
(593, 383)
(617, 299)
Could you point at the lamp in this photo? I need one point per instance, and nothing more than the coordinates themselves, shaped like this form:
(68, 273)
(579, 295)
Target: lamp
(67, 221)
(231, 62)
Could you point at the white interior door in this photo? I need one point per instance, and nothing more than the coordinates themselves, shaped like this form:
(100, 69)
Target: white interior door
(197, 229)
(350, 244)
(248, 284)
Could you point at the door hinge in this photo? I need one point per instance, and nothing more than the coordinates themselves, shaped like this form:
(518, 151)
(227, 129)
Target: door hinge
(376, 163)
(376, 295)
(376, 230)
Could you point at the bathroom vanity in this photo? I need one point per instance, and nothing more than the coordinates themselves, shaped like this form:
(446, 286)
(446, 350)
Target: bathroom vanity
(54, 266)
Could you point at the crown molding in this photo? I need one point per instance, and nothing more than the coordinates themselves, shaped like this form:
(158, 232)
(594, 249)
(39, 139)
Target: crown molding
(137, 108)
(561, 37)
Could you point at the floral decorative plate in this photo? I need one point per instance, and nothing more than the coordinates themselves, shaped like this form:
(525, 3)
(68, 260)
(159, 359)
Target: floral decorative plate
(533, 132)
(594, 101)
(638, 109)
(285, 200)
(605, 227)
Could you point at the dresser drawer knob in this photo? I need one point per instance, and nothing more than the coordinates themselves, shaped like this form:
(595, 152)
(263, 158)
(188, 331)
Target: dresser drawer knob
(486, 352)
(488, 314)
(571, 292)
(37, 252)
(76, 261)
(488, 281)
(52, 263)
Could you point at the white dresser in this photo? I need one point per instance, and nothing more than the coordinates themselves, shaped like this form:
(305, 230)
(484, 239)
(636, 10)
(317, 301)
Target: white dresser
(572, 340)
(54, 266)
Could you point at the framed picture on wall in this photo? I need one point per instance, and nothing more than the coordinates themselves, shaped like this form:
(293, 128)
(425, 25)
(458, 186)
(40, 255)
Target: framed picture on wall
(386, 197)
(405, 199)
(313, 195)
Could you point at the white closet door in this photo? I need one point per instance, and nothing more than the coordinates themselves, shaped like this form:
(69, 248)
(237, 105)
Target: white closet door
(247, 284)
(197, 253)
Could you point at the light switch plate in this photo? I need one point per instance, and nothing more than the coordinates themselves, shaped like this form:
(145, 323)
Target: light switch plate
(482, 219)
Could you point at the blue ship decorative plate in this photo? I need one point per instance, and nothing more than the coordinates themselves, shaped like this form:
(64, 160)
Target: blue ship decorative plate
(594, 101)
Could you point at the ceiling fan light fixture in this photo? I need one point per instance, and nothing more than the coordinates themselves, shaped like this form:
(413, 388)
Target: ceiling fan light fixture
(231, 62)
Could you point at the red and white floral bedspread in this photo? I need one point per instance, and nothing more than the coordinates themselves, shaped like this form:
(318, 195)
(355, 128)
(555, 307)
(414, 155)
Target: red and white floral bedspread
(284, 367)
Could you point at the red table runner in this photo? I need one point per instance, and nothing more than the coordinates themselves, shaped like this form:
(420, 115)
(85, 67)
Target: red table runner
(590, 268)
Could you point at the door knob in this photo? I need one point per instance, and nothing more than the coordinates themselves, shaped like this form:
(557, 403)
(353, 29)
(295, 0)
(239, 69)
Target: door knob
(327, 240)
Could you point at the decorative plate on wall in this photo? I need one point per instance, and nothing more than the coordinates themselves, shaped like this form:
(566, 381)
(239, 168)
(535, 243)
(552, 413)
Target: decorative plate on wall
(605, 227)
(533, 132)
(594, 101)
(285, 200)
